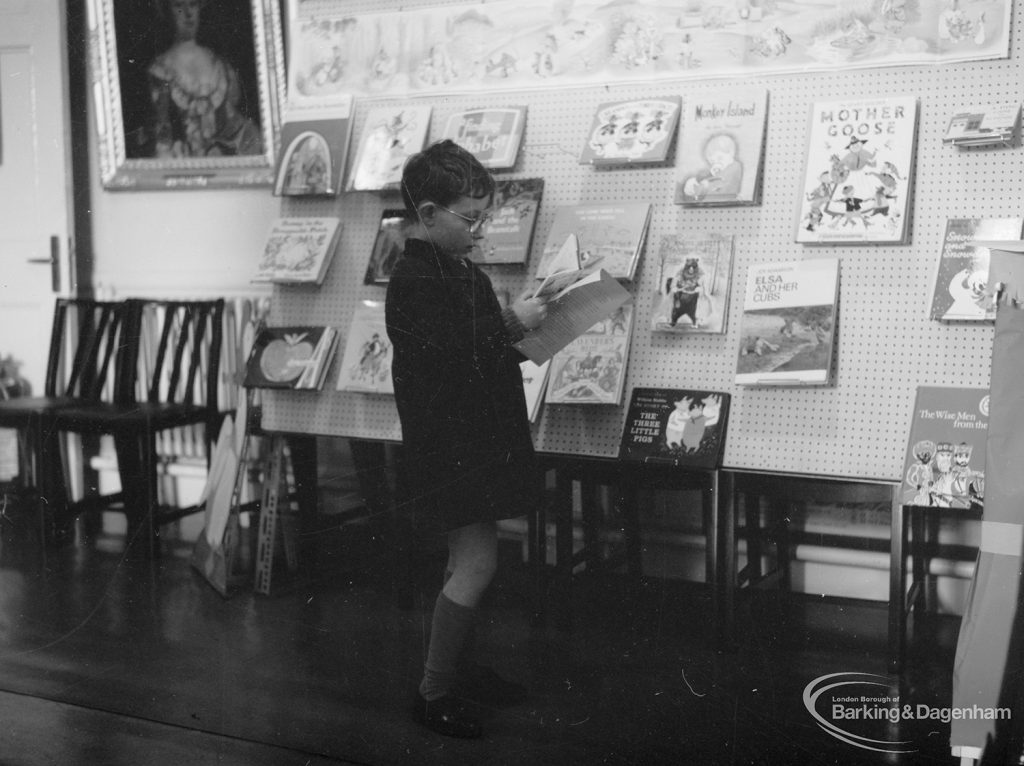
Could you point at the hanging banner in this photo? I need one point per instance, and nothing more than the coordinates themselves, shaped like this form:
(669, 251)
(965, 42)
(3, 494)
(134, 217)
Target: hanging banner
(533, 44)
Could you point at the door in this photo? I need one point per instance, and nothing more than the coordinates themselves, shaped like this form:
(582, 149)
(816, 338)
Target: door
(35, 164)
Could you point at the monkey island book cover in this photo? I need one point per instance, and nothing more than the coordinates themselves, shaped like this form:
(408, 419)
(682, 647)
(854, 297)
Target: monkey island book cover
(491, 135)
(692, 294)
(592, 369)
(721, 147)
(858, 173)
(639, 130)
(945, 460)
(960, 291)
(506, 237)
(788, 326)
(675, 426)
(366, 362)
(295, 358)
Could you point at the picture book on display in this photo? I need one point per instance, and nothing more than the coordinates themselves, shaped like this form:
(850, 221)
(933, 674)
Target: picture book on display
(390, 135)
(959, 292)
(535, 379)
(611, 236)
(992, 124)
(388, 246)
(298, 250)
(491, 135)
(592, 369)
(858, 172)
(692, 294)
(721, 147)
(366, 363)
(945, 459)
(639, 130)
(788, 325)
(314, 151)
(295, 358)
(675, 426)
(509, 231)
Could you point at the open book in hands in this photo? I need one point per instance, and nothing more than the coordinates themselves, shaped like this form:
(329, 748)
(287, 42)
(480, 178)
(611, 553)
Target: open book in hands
(566, 270)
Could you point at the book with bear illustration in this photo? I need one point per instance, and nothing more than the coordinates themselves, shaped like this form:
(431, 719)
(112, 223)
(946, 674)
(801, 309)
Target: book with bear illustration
(692, 293)
(675, 426)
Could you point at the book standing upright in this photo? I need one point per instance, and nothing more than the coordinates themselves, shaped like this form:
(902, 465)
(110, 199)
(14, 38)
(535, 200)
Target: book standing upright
(298, 250)
(859, 170)
(507, 234)
(366, 362)
(592, 369)
(639, 130)
(491, 135)
(788, 326)
(611, 235)
(390, 136)
(292, 358)
(692, 294)
(314, 150)
(675, 426)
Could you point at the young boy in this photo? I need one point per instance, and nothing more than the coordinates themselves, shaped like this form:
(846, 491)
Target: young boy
(468, 457)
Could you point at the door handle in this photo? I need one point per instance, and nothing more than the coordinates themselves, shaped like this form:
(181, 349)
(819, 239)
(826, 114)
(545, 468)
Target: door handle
(53, 260)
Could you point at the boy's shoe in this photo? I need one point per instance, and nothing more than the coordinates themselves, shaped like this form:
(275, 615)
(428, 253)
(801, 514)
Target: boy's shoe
(446, 715)
(483, 684)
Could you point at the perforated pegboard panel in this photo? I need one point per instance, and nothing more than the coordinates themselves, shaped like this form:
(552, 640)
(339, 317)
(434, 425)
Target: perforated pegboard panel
(886, 346)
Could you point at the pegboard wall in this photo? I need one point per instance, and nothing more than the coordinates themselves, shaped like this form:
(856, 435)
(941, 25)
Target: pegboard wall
(886, 345)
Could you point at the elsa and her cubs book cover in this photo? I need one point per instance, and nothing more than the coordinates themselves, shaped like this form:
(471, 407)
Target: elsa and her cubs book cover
(945, 460)
(675, 426)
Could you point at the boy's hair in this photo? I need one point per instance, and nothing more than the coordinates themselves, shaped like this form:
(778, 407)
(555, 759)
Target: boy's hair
(442, 173)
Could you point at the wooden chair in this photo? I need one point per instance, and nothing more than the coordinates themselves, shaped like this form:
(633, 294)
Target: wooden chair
(81, 370)
(169, 379)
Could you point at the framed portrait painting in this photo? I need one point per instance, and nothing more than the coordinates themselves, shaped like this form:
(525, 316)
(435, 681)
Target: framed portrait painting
(186, 93)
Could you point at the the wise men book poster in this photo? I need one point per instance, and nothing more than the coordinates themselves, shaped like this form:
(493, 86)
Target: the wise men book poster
(858, 175)
(960, 291)
(721, 147)
(945, 459)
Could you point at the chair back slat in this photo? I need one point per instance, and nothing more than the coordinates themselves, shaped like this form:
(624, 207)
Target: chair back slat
(87, 344)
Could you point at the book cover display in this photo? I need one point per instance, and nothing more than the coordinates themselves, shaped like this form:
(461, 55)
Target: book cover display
(640, 131)
(314, 151)
(491, 135)
(535, 380)
(592, 369)
(788, 325)
(692, 295)
(945, 459)
(390, 135)
(857, 178)
(298, 250)
(721, 147)
(611, 236)
(366, 363)
(961, 278)
(675, 426)
(509, 231)
(388, 246)
(294, 358)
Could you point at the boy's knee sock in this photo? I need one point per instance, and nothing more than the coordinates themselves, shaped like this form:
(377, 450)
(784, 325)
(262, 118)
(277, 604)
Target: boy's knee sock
(450, 627)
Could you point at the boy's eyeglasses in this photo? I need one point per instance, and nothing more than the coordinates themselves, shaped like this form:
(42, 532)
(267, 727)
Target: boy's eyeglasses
(474, 223)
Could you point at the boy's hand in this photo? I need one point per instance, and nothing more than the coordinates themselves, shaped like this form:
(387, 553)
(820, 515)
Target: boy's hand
(530, 311)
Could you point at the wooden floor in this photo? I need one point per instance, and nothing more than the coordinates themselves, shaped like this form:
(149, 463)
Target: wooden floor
(106, 659)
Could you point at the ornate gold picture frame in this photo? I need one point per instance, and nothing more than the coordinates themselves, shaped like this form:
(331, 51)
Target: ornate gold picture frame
(186, 93)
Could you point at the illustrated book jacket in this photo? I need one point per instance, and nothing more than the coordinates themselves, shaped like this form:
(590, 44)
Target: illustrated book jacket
(692, 293)
(535, 379)
(858, 173)
(788, 326)
(960, 289)
(721, 147)
(366, 362)
(639, 130)
(945, 458)
(314, 151)
(390, 135)
(675, 426)
(491, 135)
(295, 358)
(507, 235)
(592, 369)
(298, 250)
(611, 236)
(388, 246)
